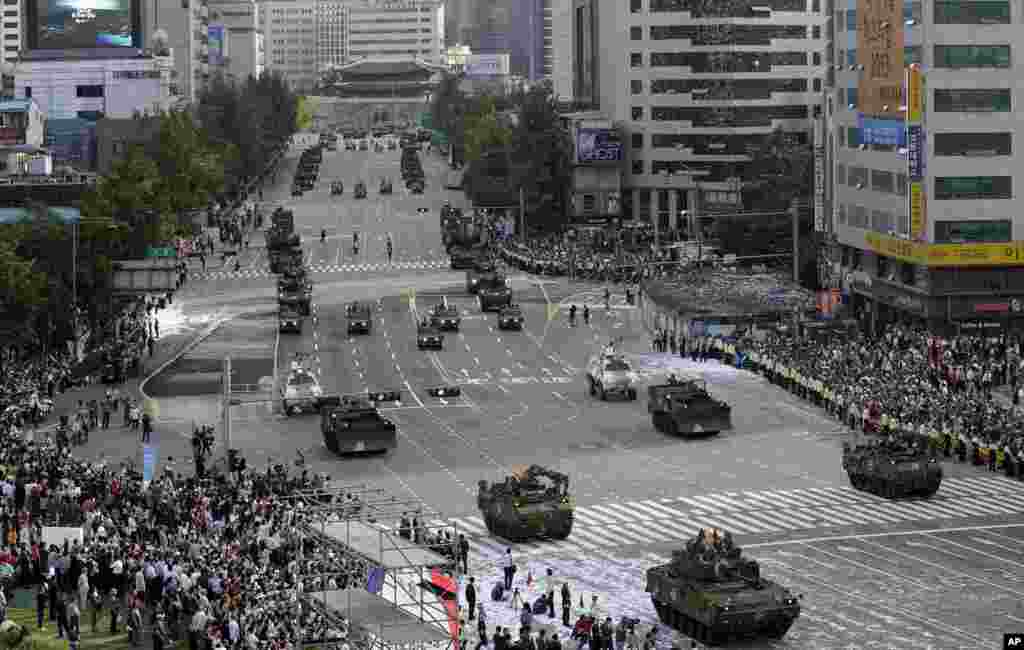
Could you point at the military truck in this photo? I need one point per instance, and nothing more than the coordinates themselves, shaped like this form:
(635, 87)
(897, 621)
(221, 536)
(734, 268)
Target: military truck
(356, 426)
(360, 318)
(289, 320)
(493, 292)
(480, 265)
(684, 407)
(360, 191)
(283, 243)
(892, 469)
(610, 374)
(534, 502)
(385, 186)
(510, 318)
(428, 337)
(712, 593)
(445, 318)
(295, 293)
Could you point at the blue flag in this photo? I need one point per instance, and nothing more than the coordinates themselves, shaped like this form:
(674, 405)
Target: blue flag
(375, 581)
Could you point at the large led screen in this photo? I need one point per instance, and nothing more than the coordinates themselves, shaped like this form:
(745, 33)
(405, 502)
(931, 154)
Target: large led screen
(84, 24)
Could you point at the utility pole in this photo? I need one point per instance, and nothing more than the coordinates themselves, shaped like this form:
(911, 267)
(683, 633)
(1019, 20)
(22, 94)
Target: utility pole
(522, 212)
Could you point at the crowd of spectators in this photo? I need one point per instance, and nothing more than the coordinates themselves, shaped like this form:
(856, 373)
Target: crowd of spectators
(907, 380)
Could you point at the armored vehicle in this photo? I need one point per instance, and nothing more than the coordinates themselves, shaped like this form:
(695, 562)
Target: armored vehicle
(296, 294)
(356, 426)
(462, 231)
(493, 292)
(360, 191)
(385, 186)
(510, 318)
(428, 336)
(533, 502)
(289, 320)
(480, 266)
(445, 318)
(686, 408)
(360, 318)
(283, 243)
(892, 469)
(710, 592)
(417, 186)
(300, 390)
(337, 188)
(610, 374)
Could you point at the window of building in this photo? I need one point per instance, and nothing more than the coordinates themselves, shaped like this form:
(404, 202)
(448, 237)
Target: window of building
(636, 86)
(637, 112)
(985, 12)
(636, 59)
(857, 175)
(852, 137)
(851, 57)
(973, 232)
(994, 100)
(842, 213)
(973, 144)
(881, 220)
(636, 6)
(817, 85)
(857, 216)
(841, 174)
(11, 25)
(735, 117)
(816, 32)
(883, 181)
(851, 98)
(28, 92)
(816, 6)
(912, 54)
(962, 188)
(636, 33)
(851, 20)
(972, 56)
(11, 13)
(638, 167)
(901, 184)
(842, 136)
(637, 140)
(89, 91)
(12, 3)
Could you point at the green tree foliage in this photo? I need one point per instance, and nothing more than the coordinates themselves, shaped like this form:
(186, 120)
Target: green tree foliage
(23, 291)
(542, 152)
(305, 112)
(483, 130)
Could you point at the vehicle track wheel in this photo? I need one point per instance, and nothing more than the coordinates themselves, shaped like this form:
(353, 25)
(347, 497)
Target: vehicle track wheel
(284, 408)
(591, 389)
(670, 426)
(601, 394)
(632, 394)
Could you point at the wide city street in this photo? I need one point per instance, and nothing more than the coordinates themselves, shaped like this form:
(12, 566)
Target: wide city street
(946, 572)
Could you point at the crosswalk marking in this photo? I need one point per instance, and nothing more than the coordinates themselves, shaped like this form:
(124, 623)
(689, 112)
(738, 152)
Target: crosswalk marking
(264, 272)
(673, 520)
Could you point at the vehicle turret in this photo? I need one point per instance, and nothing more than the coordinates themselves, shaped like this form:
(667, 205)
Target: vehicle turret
(892, 468)
(532, 502)
(685, 407)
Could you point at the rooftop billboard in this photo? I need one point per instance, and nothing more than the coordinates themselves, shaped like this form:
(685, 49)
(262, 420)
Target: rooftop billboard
(83, 24)
(484, 66)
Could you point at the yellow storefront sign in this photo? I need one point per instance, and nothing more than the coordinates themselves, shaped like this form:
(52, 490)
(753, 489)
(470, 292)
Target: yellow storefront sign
(1006, 254)
(918, 221)
(915, 93)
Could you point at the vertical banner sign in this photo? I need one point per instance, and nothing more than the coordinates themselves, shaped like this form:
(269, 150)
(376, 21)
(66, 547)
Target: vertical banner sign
(819, 176)
(915, 152)
(880, 57)
(215, 46)
(915, 93)
(917, 211)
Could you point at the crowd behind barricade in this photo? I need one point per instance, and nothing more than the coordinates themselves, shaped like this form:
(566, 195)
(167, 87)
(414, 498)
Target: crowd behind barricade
(907, 382)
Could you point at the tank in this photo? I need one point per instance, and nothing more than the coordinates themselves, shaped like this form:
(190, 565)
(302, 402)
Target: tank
(892, 469)
(686, 408)
(534, 502)
(713, 594)
(493, 292)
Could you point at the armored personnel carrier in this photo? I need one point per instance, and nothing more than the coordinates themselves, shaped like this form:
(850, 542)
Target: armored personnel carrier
(533, 502)
(289, 320)
(360, 318)
(295, 292)
(892, 469)
(686, 408)
(479, 264)
(428, 336)
(711, 593)
(337, 188)
(510, 318)
(445, 317)
(283, 243)
(356, 426)
(493, 292)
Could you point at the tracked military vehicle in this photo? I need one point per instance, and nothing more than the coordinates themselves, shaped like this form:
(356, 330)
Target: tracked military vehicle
(360, 191)
(356, 426)
(295, 290)
(892, 469)
(283, 243)
(686, 408)
(493, 292)
(533, 502)
(711, 593)
(360, 318)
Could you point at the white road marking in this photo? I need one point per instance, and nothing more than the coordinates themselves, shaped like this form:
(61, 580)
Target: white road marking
(559, 396)
(476, 360)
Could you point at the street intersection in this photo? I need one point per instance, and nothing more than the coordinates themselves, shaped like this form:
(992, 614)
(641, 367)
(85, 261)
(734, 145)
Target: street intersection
(942, 573)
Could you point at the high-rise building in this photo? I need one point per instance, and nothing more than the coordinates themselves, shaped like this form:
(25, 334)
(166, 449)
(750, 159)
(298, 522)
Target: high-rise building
(12, 32)
(922, 129)
(696, 86)
(304, 38)
(235, 39)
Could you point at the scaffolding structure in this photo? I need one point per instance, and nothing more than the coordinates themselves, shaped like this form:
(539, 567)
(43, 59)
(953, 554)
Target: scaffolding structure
(403, 590)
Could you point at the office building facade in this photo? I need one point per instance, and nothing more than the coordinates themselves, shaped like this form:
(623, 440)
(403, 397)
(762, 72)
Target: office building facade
(235, 39)
(927, 219)
(696, 87)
